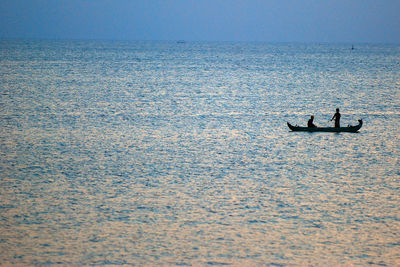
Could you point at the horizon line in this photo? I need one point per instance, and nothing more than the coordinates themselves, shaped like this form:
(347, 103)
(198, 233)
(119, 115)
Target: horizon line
(197, 41)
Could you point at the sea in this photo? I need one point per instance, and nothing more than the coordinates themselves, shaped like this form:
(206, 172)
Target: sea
(177, 153)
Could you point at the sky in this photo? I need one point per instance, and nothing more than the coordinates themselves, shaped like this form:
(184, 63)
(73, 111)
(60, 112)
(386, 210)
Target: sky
(350, 21)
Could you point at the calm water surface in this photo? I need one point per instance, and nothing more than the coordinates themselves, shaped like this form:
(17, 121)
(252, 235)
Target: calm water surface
(149, 153)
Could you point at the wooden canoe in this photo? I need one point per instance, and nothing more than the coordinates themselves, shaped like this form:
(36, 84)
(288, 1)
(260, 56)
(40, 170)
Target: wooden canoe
(349, 129)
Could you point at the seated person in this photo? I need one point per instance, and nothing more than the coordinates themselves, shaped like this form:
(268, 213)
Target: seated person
(310, 123)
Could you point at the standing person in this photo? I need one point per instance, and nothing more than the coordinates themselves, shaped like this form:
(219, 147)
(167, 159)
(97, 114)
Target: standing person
(310, 123)
(336, 117)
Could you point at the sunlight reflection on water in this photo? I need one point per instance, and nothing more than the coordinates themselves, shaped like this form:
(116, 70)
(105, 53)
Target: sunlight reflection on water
(160, 153)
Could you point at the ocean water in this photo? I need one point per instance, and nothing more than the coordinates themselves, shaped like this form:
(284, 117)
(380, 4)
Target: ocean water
(166, 153)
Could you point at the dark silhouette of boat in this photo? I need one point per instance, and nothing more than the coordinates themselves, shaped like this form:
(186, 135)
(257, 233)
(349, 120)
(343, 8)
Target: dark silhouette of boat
(349, 129)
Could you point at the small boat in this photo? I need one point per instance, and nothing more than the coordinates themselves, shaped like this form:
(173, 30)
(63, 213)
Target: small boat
(349, 129)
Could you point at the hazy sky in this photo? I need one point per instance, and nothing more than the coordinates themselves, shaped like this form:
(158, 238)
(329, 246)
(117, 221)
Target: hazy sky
(209, 20)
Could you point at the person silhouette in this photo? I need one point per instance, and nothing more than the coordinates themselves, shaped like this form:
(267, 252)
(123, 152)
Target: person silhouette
(336, 117)
(310, 123)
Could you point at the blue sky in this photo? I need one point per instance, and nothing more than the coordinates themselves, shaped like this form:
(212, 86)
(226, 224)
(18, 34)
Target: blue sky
(349, 21)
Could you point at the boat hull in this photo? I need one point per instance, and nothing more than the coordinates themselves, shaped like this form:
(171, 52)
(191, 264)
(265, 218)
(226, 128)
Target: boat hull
(349, 129)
